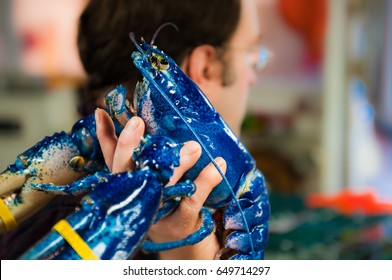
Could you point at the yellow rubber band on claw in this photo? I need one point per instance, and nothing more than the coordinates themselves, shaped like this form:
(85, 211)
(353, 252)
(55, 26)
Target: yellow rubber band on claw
(74, 240)
(7, 217)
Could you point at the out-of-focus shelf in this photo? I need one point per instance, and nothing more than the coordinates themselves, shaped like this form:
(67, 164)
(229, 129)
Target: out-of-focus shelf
(278, 95)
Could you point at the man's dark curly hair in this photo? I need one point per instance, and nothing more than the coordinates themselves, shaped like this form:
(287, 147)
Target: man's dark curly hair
(105, 48)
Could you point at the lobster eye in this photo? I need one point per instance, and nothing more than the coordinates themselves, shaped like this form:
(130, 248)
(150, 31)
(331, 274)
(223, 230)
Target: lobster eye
(164, 64)
(159, 62)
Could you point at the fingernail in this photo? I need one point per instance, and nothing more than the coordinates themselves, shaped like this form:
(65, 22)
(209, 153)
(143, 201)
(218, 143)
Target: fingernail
(97, 116)
(190, 148)
(220, 161)
(132, 124)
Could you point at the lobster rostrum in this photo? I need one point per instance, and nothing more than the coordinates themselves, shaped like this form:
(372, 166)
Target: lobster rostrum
(59, 159)
(171, 104)
(115, 215)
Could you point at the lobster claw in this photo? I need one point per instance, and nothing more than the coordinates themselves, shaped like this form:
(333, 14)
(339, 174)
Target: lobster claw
(109, 224)
(59, 159)
(42, 163)
(115, 215)
(10, 181)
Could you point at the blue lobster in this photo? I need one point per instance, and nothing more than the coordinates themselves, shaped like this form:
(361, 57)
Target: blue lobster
(173, 106)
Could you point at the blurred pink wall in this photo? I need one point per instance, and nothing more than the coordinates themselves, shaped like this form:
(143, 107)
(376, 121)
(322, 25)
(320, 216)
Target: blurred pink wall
(46, 31)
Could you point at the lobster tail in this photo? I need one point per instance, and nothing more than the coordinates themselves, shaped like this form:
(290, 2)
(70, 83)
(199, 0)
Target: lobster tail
(253, 200)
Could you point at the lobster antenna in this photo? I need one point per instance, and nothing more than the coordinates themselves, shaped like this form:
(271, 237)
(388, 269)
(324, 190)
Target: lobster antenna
(132, 37)
(151, 80)
(159, 30)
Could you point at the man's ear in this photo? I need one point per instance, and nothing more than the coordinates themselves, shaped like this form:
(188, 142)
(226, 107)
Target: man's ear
(203, 67)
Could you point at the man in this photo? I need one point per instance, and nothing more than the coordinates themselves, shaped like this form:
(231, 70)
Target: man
(224, 73)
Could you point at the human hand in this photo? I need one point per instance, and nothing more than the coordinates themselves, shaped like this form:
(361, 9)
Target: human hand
(185, 219)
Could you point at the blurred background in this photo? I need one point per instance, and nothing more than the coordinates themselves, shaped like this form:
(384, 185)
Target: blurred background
(319, 122)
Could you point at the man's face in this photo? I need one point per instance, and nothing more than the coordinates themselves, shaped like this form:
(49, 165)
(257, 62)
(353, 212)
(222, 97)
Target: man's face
(231, 96)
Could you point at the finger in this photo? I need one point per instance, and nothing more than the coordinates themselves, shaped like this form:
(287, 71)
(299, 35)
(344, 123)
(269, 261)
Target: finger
(207, 180)
(106, 136)
(189, 154)
(128, 140)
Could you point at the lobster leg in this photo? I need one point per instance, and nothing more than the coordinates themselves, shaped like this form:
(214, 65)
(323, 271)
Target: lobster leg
(75, 188)
(186, 188)
(205, 230)
(167, 207)
(172, 196)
